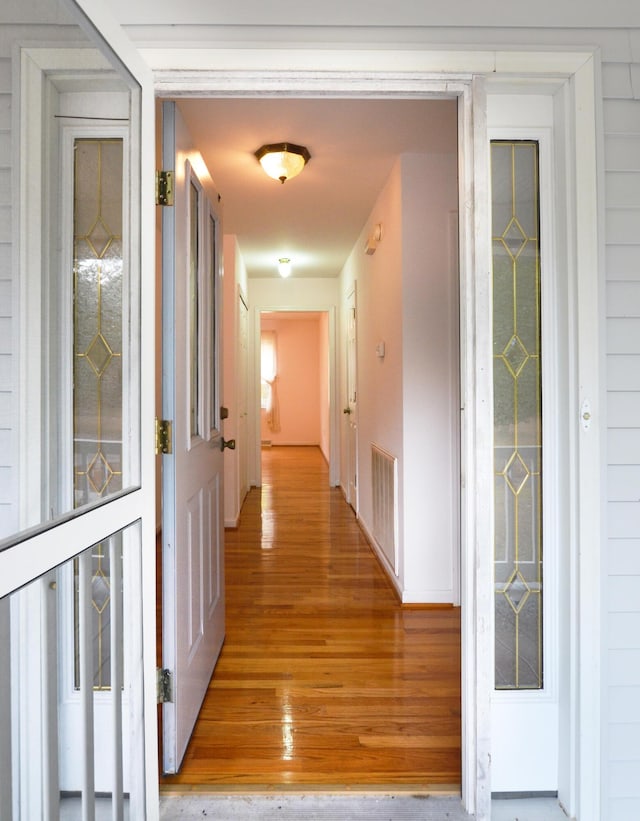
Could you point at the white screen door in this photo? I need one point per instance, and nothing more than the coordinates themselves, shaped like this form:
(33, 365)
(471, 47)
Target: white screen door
(192, 502)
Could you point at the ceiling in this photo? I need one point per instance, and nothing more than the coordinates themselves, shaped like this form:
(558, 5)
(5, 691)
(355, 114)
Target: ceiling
(316, 218)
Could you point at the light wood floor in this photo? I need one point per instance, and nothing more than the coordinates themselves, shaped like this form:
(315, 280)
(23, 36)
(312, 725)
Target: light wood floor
(324, 680)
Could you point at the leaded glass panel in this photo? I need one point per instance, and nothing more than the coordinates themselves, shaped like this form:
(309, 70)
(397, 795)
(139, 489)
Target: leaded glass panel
(194, 308)
(517, 416)
(213, 279)
(98, 311)
(97, 367)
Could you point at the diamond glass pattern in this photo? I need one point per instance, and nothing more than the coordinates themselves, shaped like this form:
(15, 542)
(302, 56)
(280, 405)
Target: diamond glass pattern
(98, 270)
(97, 369)
(517, 416)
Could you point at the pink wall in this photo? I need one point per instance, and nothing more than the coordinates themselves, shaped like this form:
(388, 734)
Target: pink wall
(299, 383)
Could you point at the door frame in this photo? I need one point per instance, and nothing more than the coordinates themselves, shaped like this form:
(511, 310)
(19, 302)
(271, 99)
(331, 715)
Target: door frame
(255, 324)
(469, 75)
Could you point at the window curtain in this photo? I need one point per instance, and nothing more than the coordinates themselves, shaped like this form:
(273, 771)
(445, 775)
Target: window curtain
(269, 376)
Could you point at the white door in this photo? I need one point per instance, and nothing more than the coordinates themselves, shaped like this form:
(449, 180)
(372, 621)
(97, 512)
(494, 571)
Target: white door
(192, 502)
(350, 409)
(529, 403)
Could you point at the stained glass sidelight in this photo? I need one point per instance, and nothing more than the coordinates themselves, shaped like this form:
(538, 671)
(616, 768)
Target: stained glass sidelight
(517, 416)
(97, 360)
(98, 294)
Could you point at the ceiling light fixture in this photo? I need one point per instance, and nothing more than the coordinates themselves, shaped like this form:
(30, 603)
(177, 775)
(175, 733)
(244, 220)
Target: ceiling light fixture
(282, 161)
(284, 267)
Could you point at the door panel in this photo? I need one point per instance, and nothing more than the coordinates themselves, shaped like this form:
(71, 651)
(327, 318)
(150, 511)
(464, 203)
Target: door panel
(192, 526)
(213, 570)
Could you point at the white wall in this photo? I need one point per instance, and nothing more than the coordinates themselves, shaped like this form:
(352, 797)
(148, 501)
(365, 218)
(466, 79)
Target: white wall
(379, 319)
(430, 376)
(235, 278)
(408, 400)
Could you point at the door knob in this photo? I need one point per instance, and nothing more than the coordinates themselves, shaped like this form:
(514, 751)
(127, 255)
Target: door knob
(347, 410)
(227, 443)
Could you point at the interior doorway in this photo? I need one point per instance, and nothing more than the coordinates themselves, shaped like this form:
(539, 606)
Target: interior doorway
(295, 379)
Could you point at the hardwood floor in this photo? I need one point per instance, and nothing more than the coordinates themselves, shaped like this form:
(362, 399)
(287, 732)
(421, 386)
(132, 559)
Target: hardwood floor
(324, 680)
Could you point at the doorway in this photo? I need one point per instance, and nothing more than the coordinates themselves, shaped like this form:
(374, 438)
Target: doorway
(575, 108)
(295, 379)
(384, 299)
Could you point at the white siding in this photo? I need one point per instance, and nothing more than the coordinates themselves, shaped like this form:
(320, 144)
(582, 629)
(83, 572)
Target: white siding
(621, 556)
(8, 478)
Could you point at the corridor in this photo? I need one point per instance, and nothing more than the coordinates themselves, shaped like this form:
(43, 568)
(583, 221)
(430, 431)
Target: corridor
(324, 680)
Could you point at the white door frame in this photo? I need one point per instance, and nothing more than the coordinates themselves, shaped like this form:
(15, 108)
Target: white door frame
(470, 75)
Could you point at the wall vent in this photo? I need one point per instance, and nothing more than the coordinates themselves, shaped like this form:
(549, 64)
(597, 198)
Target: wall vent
(384, 485)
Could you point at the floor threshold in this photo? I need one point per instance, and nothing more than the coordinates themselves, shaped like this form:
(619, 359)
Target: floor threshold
(316, 807)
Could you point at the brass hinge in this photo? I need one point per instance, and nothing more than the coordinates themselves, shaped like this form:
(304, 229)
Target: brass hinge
(164, 436)
(164, 685)
(164, 187)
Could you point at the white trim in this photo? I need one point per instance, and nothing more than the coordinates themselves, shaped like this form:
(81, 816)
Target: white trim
(190, 71)
(476, 456)
(589, 467)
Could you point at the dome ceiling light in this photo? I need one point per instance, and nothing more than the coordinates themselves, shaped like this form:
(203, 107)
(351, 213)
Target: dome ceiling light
(282, 161)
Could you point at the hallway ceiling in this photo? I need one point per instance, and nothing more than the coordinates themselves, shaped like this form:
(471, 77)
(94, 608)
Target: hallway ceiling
(315, 218)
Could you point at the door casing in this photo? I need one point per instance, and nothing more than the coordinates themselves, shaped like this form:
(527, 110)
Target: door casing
(470, 75)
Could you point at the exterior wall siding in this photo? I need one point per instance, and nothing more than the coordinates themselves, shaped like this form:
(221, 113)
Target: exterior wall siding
(621, 554)
(8, 483)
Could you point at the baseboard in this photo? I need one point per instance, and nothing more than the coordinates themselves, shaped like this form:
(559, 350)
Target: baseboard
(382, 559)
(407, 598)
(427, 597)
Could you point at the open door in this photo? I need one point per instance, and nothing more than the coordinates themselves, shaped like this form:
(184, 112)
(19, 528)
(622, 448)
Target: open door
(192, 502)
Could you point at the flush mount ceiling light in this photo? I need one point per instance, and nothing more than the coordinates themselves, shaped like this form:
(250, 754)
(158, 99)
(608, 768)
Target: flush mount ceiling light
(284, 267)
(282, 161)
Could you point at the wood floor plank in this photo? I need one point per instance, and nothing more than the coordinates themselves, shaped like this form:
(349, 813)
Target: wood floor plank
(324, 679)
